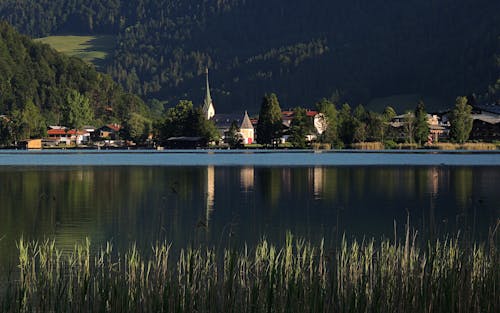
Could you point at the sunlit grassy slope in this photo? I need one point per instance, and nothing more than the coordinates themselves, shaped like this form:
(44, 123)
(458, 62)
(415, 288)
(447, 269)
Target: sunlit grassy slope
(93, 49)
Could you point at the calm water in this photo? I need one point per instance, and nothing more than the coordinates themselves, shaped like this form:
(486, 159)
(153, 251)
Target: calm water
(232, 202)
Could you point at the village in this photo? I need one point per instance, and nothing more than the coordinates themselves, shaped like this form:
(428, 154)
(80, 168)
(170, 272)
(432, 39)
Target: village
(485, 128)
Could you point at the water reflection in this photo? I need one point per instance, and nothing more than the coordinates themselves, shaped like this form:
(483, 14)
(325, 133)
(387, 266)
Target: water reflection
(215, 205)
(247, 178)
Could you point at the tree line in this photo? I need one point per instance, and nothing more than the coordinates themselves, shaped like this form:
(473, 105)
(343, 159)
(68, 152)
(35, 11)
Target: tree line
(340, 127)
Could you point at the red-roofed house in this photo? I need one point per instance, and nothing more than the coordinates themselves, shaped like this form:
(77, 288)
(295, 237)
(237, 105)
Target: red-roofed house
(59, 134)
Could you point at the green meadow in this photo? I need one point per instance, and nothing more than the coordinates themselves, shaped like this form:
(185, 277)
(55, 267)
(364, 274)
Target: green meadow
(93, 49)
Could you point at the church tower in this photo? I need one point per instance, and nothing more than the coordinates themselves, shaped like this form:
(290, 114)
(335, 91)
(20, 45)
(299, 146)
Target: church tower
(208, 106)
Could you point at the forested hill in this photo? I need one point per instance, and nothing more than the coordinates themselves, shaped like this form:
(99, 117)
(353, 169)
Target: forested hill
(35, 81)
(303, 50)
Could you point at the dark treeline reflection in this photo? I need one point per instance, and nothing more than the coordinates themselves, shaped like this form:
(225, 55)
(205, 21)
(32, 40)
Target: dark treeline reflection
(230, 205)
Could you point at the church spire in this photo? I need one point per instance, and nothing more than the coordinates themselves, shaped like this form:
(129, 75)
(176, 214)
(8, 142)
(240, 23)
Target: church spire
(208, 106)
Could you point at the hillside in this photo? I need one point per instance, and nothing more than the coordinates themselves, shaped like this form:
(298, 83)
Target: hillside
(36, 81)
(352, 51)
(92, 49)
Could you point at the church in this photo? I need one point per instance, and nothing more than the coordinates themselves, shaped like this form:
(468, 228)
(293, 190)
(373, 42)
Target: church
(223, 121)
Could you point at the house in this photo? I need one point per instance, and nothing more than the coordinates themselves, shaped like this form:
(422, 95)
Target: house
(485, 126)
(61, 135)
(439, 127)
(57, 135)
(287, 118)
(108, 132)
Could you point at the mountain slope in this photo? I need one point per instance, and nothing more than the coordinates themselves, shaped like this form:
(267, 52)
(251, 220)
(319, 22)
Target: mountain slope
(351, 50)
(34, 73)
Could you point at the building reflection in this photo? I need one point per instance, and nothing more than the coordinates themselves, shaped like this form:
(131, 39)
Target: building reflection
(247, 178)
(209, 193)
(318, 182)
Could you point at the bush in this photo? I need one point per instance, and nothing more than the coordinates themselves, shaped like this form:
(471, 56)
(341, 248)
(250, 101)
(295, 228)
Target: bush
(390, 144)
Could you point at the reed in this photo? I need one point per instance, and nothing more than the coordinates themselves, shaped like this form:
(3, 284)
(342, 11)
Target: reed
(438, 276)
(478, 146)
(465, 146)
(368, 146)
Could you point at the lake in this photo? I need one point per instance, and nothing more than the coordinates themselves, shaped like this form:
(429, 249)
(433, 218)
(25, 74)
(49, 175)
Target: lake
(221, 198)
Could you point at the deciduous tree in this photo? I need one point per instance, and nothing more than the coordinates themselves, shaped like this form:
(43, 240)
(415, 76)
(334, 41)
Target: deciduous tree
(461, 121)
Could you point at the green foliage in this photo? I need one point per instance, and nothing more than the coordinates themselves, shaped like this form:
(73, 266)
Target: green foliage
(346, 125)
(269, 127)
(376, 126)
(6, 132)
(36, 81)
(330, 122)
(32, 119)
(137, 128)
(185, 120)
(389, 113)
(233, 136)
(409, 126)
(421, 124)
(300, 127)
(76, 111)
(461, 121)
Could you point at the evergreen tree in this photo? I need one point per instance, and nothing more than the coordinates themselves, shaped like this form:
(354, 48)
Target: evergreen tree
(269, 127)
(376, 126)
(346, 127)
(300, 127)
(461, 121)
(6, 132)
(421, 124)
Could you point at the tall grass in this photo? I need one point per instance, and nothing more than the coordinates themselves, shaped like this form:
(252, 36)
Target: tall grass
(464, 146)
(368, 146)
(439, 276)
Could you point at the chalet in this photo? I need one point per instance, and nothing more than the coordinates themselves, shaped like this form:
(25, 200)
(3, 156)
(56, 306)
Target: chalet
(60, 134)
(439, 127)
(108, 132)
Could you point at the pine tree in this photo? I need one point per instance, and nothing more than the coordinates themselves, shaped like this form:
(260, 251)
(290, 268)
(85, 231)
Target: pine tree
(269, 127)
(421, 125)
(300, 127)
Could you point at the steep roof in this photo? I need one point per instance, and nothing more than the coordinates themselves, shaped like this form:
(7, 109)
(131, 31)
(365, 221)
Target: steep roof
(207, 102)
(246, 124)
